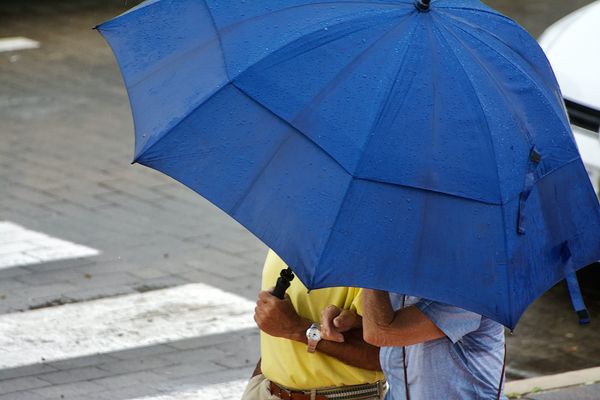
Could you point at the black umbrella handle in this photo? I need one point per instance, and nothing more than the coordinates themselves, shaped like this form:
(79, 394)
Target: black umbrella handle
(283, 282)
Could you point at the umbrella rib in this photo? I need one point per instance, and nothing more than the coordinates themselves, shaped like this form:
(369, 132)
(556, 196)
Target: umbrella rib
(337, 78)
(505, 244)
(472, 85)
(504, 222)
(333, 225)
(163, 64)
(139, 158)
(490, 11)
(385, 102)
(132, 11)
(218, 33)
(249, 188)
(285, 9)
(517, 67)
(256, 177)
(230, 27)
(361, 16)
(332, 39)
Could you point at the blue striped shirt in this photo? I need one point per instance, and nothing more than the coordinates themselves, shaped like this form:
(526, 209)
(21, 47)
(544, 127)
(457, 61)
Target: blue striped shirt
(466, 364)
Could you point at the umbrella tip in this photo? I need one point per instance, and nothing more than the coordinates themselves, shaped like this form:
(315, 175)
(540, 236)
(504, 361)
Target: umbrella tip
(422, 5)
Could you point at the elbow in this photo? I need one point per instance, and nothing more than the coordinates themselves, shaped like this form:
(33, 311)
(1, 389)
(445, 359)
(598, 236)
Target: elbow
(372, 335)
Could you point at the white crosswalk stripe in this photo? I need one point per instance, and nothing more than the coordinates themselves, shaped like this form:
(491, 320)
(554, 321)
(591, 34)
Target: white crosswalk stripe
(119, 323)
(17, 43)
(20, 246)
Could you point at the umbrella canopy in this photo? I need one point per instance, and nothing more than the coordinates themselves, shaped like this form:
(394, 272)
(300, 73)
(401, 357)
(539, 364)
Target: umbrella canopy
(383, 144)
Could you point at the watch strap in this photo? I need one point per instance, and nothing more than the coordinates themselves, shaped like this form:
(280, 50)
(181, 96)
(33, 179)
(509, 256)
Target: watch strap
(311, 343)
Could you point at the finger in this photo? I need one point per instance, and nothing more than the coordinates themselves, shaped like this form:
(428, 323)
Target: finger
(328, 330)
(327, 316)
(265, 296)
(332, 309)
(346, 320)
(330, 312)
(256, 319)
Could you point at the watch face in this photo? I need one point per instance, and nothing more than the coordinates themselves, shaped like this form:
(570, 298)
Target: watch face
(313, 334)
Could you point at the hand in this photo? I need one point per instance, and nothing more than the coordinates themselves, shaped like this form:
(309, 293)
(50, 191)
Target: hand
(335, 321)
(278, 317)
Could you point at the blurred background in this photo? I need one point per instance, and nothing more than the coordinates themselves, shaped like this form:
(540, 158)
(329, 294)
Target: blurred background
(66, 140)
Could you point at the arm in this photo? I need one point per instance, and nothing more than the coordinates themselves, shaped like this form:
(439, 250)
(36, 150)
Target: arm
(278, 318)
(385, 327)
(257, 369)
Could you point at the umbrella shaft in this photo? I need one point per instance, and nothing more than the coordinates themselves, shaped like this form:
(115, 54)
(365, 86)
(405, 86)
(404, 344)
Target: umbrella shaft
(423, 5)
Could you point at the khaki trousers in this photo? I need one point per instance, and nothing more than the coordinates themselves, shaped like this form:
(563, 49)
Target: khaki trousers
(258, 389)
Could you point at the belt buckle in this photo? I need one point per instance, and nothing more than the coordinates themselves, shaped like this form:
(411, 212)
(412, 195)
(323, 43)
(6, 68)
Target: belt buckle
(288, 392)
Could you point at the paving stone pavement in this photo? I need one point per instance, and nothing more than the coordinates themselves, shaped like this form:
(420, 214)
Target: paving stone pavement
(65, 150)
(586, 392)
(65, 145)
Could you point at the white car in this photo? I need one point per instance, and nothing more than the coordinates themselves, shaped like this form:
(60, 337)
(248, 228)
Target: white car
(573, 48)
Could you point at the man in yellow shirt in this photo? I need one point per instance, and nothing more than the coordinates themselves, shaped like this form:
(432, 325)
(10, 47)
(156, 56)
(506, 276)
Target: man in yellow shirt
(296, 363)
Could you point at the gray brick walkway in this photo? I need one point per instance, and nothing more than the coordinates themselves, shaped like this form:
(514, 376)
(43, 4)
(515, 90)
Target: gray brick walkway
(143, 371)
(66, 142)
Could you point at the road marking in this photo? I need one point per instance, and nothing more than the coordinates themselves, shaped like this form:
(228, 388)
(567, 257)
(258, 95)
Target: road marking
(20, 246)
(120, 323)
(221, 391)
(17, 43)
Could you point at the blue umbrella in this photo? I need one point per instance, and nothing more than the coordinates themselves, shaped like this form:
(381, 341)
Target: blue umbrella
(414, 148)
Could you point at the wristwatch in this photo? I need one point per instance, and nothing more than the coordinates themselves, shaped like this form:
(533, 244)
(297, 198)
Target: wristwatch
(313, 334)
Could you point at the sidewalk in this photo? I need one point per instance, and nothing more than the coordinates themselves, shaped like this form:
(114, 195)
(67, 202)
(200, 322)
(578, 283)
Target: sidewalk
(574, 385)
(103, 265)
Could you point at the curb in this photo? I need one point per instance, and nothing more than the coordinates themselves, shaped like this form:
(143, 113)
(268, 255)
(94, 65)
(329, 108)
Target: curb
(550, 382)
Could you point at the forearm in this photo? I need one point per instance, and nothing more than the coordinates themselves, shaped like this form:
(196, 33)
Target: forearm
(353, 351)
(385, 327)
(257, 369)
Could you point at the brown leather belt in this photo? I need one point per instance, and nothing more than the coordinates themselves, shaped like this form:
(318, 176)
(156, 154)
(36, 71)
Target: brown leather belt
(356, 392)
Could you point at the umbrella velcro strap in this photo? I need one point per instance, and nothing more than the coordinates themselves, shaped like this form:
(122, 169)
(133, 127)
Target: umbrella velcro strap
(534, 161)
(573, 286)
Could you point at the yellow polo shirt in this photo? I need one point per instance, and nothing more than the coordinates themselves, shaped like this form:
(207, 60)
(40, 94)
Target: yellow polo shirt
(287, 362)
